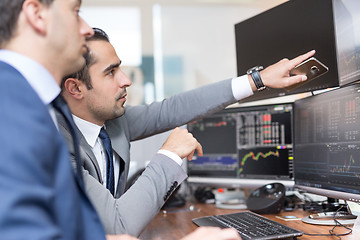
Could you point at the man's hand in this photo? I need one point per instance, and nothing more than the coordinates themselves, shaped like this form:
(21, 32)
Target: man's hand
(278, 74)
(182, 143)
(213, 233)
(120, 237)
(208, 233)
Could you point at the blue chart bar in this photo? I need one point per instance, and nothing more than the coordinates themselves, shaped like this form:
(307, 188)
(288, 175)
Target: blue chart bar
(220, 160)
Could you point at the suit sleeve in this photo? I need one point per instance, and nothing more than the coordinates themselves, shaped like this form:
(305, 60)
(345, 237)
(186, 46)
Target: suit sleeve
(136, 207)
(26, 181)
(130, 213)
(179, 109)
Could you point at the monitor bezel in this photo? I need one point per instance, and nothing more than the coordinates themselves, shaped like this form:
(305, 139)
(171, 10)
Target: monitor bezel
(247, 183)
(346, 196)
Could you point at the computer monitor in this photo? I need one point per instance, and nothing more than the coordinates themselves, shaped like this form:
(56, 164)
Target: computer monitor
(244, 147)
(347, 25)
(327, 143)
(286, 31)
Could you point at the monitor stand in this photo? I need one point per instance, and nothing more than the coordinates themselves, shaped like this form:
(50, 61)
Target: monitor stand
(327, 217)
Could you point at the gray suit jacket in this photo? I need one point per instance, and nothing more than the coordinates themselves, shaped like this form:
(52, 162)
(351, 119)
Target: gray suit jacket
(131, 212)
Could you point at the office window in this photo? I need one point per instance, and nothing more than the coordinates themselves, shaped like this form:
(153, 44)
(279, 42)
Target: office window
(122, 24)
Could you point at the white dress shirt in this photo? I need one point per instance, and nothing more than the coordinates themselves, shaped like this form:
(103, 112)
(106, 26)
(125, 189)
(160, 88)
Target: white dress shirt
(241, 87)
(91, 134)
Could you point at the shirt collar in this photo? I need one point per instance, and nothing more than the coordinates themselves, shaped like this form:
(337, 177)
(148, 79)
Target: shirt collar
(37, 76)
(89, 130)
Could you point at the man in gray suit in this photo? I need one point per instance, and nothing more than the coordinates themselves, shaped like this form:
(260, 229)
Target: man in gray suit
(96, 96)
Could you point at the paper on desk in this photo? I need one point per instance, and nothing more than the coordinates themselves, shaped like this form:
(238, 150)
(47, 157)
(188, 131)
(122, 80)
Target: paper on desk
(288, 218)
(356, 229)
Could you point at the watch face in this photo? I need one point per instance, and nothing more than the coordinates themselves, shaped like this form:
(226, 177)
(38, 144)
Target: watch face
(251, 70)
(257, 68)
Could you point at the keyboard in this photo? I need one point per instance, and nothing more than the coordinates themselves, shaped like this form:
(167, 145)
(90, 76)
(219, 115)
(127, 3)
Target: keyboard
(249, 225)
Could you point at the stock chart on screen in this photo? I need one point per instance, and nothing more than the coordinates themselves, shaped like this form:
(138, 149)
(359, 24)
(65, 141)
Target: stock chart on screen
(250, 142)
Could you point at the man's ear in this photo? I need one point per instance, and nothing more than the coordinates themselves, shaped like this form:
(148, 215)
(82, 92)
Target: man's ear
(73, 87)
(36, 15)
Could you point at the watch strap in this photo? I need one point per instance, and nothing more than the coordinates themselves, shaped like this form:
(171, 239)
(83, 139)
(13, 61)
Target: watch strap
(257, 80)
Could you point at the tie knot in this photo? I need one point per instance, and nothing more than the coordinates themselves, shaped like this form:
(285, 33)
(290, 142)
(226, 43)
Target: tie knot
(103, 134)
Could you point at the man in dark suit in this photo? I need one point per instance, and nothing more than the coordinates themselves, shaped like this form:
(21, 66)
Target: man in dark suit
(41, 196)
(96, 96)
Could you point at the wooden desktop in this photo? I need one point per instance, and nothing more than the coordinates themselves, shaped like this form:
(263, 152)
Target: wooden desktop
(176, 223)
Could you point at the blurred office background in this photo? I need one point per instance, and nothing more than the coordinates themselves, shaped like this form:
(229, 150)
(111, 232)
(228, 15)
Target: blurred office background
(169, 46)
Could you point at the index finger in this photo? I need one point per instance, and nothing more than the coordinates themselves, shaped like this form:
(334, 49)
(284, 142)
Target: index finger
(199, 149)
(296, 61)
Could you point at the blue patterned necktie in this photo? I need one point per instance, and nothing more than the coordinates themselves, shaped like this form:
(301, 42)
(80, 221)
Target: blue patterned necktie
(109, 163)
(61, 106)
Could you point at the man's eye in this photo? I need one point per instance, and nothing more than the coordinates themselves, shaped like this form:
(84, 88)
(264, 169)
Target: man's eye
(112, 72)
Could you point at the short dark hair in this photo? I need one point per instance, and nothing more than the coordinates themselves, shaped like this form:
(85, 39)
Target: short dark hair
(99, 34)
(9, 14)
(83, 74)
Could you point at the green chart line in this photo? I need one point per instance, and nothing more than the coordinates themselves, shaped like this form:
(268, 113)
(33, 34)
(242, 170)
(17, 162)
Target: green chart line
(256, 157)
(345, 168)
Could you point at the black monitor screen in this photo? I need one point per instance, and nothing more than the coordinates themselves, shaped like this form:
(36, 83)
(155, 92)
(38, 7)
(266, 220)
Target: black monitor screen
(347, 26)
(245, 143)
(286, 31)
(327, 143)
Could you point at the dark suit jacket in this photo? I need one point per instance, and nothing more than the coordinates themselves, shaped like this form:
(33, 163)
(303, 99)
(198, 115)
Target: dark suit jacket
(131, 212)
(40, 198)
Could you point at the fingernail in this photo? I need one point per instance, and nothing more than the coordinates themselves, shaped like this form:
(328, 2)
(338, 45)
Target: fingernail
(303, 77)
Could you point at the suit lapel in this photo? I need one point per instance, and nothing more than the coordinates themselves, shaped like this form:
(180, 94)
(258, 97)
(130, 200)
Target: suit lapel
(121, 147)
(84, 146)
(87, 155)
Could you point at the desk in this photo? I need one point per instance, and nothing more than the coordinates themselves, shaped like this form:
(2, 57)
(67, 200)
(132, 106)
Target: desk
(173, 226)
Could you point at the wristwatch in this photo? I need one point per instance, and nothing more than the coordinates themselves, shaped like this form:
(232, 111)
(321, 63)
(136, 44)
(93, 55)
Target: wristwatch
(254, 72)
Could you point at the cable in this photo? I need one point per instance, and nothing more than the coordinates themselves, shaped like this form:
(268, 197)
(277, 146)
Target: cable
(331, 231)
